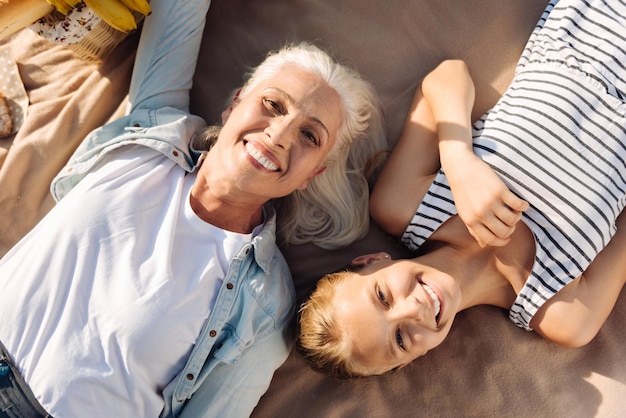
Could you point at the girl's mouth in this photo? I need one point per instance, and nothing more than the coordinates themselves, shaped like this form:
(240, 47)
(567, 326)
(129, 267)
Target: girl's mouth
(435, 298)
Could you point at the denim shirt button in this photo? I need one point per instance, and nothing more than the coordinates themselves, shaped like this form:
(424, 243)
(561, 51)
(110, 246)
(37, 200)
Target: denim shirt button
(175, 153)
(229, 286)
(190, 376)
(247, 250)
(4, 368)
(137, 125)
(212, 333)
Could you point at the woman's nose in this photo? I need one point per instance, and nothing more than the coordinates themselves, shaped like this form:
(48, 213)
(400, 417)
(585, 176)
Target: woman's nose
(280, 132)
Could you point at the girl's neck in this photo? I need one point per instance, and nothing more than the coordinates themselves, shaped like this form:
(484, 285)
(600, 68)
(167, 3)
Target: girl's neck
(486, 276)
(476, 274)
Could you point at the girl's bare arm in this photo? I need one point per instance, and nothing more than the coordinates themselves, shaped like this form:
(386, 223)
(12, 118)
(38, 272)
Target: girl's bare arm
(484, 202)
(439, 126)
(575, 314)
(408, 172)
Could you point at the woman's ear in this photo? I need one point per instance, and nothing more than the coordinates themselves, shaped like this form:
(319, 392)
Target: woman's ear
(229, 109)
(226, 113)
(317, 172)
(371, 258)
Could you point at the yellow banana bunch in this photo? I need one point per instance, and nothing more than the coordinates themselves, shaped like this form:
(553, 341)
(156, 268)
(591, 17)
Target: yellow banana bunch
(61, 5)
(141, 6)
(117, 13)
(114, 12)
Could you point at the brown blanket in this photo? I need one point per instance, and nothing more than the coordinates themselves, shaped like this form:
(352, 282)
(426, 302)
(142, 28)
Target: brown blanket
(487, 367)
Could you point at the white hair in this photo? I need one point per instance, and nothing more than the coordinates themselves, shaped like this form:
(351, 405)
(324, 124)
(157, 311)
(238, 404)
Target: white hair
(333, 210)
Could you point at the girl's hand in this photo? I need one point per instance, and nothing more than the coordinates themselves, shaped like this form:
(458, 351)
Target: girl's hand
(484, 202)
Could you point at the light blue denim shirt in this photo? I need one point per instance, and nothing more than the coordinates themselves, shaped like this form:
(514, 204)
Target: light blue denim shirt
(245, 337)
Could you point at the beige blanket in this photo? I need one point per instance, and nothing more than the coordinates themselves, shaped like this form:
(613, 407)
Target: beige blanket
(487, 367)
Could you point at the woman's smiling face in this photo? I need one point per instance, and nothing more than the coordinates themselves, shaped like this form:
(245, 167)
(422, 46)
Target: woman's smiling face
(276, 138)
(394, 311)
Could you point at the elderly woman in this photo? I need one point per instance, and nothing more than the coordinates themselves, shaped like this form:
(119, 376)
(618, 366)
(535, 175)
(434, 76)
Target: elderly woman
(155, 286)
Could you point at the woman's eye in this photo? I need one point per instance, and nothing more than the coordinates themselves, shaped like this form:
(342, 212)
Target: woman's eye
(310, 137)
(399, 339)
(272, 106)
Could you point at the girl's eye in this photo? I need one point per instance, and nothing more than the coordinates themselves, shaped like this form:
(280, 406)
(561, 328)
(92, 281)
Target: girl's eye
(382, 298)
(399, 339)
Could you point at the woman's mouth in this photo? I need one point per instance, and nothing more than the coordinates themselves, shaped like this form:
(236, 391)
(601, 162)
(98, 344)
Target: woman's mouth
(259, 158)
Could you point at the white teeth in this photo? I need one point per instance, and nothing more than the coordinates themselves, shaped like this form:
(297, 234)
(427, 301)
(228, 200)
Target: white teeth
(434, 297)
(260, 158)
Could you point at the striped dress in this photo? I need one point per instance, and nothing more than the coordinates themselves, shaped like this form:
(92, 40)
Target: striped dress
(558, 139)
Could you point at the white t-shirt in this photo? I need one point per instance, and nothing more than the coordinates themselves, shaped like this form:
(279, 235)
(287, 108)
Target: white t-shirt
(104, 299)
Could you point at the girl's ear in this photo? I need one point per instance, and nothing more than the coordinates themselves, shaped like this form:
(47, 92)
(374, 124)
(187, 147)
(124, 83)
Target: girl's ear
(399, 367)
(371, 258)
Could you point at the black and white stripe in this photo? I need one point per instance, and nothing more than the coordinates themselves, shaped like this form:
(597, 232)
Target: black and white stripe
(558, 139)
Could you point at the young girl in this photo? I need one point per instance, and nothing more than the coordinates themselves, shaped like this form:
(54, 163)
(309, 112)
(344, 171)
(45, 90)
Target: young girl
(551, 153)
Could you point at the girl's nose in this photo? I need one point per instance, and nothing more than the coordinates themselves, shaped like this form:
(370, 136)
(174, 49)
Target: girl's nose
(410, 308)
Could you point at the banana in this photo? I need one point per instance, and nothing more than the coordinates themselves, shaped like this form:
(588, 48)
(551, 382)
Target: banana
(141, 6)
(113, 12)
(61, 5)
(117, 13)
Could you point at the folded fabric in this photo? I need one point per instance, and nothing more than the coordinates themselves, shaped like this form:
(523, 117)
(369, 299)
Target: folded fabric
(81, 30)
(12, 88)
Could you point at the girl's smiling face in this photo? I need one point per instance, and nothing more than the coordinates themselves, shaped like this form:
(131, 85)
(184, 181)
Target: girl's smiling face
(394, 311)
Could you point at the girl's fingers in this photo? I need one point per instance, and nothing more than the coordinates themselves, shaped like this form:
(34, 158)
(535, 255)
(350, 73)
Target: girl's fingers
(515, 203)
(494, 234)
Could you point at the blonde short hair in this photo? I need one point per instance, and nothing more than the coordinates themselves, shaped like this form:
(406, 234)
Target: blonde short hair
(321, 340)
